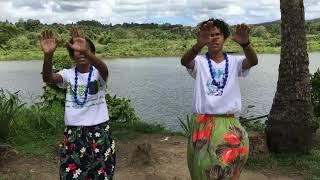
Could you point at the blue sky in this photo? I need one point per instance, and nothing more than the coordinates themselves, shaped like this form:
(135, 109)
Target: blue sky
(186, 12)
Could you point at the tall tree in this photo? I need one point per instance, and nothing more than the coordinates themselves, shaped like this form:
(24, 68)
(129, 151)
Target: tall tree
(290, 127)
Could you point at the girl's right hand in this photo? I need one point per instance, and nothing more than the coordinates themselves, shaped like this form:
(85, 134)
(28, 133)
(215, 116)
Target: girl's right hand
(47, 42)
(204, 34)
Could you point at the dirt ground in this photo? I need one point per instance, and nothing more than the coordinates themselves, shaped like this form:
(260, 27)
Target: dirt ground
(168, 162)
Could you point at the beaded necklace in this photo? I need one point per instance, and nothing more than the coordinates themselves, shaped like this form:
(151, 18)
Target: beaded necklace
(76, 87)
(226, 72)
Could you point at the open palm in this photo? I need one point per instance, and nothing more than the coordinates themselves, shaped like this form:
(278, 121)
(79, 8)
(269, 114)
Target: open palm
(204, 34)
(79, 44)
(79, 41)
(241, 35)
(47, 42)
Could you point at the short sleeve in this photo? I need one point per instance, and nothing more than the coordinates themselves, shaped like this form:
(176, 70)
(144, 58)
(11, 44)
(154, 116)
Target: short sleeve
(193, 72)
(63, 73)
(241, 72)
(100, 79)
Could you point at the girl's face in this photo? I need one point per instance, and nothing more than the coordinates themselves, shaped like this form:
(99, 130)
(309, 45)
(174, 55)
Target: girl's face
(217, 42)
(79, 58)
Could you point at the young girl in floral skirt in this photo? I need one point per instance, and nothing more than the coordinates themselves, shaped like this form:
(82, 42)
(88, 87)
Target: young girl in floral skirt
(88, 150)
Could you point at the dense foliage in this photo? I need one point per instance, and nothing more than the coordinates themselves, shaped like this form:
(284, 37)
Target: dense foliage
(122, 40)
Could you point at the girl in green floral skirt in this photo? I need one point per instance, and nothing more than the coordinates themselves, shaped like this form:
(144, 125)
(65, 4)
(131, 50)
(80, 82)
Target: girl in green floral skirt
(218, 146)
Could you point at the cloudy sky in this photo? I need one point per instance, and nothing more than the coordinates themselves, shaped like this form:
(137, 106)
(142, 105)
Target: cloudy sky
(187, 12)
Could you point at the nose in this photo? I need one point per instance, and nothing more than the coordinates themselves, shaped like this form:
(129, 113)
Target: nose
(214, 38)
(76, 53)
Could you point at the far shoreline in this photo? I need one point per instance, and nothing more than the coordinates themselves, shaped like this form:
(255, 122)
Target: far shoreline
(39, 57)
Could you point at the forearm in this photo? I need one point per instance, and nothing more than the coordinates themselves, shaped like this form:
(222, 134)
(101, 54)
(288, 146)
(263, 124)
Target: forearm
(99, 64)
(251, 57)
(47, 68)
(188, 58)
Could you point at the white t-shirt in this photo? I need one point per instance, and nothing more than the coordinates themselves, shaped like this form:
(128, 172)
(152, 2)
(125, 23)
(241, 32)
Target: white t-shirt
(206, 97)
(94, 111)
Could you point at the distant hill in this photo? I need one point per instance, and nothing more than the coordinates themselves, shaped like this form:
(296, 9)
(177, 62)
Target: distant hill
(267, 23)
(314, 20)
(278, 21)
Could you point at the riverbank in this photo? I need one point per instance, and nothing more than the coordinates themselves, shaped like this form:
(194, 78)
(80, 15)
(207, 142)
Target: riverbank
(168, 161)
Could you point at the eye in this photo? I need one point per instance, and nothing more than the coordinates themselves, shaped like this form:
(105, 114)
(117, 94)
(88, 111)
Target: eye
(212, 35)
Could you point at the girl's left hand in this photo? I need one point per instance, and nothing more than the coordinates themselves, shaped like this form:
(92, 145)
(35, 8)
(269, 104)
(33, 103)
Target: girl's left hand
(242, 34)
(79, 41)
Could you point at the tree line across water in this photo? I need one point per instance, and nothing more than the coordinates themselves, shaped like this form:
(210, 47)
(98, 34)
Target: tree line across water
(20, 40)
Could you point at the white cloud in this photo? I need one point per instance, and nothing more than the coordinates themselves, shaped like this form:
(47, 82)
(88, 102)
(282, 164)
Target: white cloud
(188, 12)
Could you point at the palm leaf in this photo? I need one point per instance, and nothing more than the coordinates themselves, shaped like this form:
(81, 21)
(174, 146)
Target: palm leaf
(186, 126)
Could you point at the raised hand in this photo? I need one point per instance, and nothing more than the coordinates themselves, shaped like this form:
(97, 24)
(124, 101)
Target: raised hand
(241, 35)
(204, 34)
(79, 41)
(47, 42)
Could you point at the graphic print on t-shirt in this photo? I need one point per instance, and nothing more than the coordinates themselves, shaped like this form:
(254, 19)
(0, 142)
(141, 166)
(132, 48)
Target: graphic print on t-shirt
(218, 76)
(94, 87)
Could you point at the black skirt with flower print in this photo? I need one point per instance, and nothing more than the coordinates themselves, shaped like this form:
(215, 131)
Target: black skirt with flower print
(88, 152)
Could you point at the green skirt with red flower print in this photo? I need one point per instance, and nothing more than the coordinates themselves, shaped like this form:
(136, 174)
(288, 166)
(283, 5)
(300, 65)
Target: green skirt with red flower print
(217, 148)
(88, 152)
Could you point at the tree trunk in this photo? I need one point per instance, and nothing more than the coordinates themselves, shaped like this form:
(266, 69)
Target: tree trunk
(289, 126)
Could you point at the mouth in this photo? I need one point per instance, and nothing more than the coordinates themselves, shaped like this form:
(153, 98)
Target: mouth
(215, 45)
(82, 59)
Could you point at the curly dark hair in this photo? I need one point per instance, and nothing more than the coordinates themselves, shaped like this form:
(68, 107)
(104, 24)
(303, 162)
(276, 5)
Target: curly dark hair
(219, 23)
(90, 43)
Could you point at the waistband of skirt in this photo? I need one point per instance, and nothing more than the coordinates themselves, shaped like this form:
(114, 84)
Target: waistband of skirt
(219, 115)
(92, 126)
(224, 115)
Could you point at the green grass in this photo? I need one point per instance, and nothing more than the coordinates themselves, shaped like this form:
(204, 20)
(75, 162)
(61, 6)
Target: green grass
(38, 129)
(43, 144)
(306, 165)
(38, 144)
(25, 54)
(254, 126)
